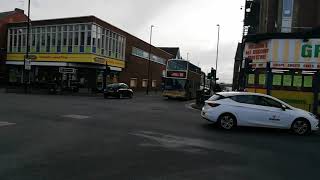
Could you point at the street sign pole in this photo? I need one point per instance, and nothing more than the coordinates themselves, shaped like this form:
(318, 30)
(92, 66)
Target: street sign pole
(27, 65)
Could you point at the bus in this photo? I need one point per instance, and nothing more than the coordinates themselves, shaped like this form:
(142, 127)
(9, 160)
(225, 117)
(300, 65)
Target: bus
(182, 80)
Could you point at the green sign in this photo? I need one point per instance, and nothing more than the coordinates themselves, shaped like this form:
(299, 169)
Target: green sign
(277, 80)
(251, 79)
(307, 81)
(297, 81)
(262, 79)
(287, 80)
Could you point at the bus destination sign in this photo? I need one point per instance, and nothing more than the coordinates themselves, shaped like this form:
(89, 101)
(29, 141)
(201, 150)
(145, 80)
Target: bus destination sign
(176, 74)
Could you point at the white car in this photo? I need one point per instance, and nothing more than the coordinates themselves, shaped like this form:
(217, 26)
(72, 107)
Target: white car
(231, 109)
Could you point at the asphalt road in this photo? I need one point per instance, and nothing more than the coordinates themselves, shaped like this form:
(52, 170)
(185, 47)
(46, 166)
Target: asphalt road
(73, 138)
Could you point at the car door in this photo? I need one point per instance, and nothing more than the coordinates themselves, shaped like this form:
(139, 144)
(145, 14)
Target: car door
(276, 115)
(124, 90)
(247, 110)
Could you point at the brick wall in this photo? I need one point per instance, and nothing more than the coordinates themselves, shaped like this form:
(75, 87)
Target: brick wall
(15, 16)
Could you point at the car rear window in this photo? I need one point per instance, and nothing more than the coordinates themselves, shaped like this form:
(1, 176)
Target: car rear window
(216, 97)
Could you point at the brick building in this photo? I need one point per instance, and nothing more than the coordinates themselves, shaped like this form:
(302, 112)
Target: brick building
(7, 17)
(96, 52)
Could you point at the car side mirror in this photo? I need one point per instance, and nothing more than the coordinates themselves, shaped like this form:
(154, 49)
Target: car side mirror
(283, 107)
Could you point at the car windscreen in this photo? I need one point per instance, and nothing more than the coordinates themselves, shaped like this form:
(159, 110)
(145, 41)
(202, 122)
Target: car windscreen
(175, 84)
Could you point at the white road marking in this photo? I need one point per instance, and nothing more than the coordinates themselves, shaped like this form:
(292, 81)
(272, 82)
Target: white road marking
(2, 124)
(76, 116)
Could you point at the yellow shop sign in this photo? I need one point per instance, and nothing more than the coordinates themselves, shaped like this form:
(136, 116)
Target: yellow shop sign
(74, 58)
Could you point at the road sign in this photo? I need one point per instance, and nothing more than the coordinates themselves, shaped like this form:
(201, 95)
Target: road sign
(27, 65)
(64, 70)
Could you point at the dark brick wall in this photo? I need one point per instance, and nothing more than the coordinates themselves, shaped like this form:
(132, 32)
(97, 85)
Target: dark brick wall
(16, 16)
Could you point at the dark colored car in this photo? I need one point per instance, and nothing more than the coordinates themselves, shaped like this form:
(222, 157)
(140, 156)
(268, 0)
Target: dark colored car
(118, 90)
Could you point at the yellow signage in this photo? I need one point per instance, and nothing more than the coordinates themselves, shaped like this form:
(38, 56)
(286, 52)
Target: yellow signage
(75, 58)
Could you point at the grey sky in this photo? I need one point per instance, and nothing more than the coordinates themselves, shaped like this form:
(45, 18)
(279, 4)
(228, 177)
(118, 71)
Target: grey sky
(188, 24)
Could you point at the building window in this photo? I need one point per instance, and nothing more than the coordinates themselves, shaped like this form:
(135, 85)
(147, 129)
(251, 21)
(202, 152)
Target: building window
(145, 55)
(144, 83)
(154, 83)
(133, 82)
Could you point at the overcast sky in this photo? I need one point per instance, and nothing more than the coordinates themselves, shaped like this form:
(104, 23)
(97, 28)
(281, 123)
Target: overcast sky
(188, 24)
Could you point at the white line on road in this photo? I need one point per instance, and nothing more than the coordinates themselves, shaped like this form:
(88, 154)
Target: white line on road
(76, 116)
(2, 124)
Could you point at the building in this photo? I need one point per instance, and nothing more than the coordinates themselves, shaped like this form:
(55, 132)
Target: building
(280, 52)
(269, 16)
(175, 51)
(7, 17)
(82, 51)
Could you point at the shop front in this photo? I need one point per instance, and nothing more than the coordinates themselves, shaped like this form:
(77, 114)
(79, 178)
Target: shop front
(66, 72)
(287, 69)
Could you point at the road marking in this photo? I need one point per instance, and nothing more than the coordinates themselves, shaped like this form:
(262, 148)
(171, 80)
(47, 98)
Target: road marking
(189, 145)
(2, 124)
(76, 116)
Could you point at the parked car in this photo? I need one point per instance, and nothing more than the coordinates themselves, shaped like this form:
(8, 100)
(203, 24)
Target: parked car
(231, 109)
(118, 90)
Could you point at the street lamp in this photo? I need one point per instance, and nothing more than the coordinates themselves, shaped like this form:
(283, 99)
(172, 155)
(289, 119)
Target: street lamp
(25, 69)
(217, 56)
(149, 62)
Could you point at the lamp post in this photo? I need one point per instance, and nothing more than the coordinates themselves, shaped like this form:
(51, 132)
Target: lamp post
(217, 56)
(149, 62)
(25, 69)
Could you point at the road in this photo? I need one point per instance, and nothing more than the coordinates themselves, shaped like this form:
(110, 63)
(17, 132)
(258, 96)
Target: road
(46, 137)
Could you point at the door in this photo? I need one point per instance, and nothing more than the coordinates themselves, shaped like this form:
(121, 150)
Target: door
(276, 116)
(249, 113)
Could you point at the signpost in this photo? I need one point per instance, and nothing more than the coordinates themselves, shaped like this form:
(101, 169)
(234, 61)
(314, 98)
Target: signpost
(27, 65)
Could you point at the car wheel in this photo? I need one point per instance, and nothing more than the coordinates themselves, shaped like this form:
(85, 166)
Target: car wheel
(130, 95)
(120, 96)
(227, 121)
(301, 127)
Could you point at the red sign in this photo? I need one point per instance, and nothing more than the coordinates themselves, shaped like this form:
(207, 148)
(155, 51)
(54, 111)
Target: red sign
(257, 52)
(176, 74)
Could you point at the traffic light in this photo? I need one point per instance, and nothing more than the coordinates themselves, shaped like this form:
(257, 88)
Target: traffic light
(214, 74)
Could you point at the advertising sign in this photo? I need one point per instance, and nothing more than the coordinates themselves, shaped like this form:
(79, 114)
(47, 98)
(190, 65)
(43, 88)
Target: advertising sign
(257, 51)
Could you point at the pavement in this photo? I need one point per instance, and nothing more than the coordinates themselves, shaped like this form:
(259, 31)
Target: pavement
(44, 137)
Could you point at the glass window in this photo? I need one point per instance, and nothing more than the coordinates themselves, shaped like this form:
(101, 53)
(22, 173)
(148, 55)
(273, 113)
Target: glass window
(307, 81)
(48, 42)
(144, 83)
(277, 78)
(53, 29)
(177, 65)
(43, 39)
(287, 80)
(82, 27)
(76, 39)
(70, 28)
(38, 43)
(175, 84)
(76, 27)
(33, 39)
(154, 83)
(64, 28)
(246, 99)
(265, 101)
(89, 38)
(133, 82)
(297, 81)
(262, 79)
(251, 79)
(64, 41)
(53, 42)
(82, 36)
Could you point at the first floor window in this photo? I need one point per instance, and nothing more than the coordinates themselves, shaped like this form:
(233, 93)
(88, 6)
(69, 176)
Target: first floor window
(133, 82)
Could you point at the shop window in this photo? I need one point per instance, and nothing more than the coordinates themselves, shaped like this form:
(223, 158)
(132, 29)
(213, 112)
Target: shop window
(251, 79)
(262, 79)
(287, 80)
(154, 83)
(144, 83)
(297, 81)
(277, 78)
(133, 82)
(307, 82)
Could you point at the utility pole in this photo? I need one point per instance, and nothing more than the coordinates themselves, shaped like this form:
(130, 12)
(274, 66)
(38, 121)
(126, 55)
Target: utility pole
(25, 69)
(149, 62)
(217, 56)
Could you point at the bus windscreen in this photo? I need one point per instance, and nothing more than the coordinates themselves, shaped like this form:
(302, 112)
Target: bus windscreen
(175, 84)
